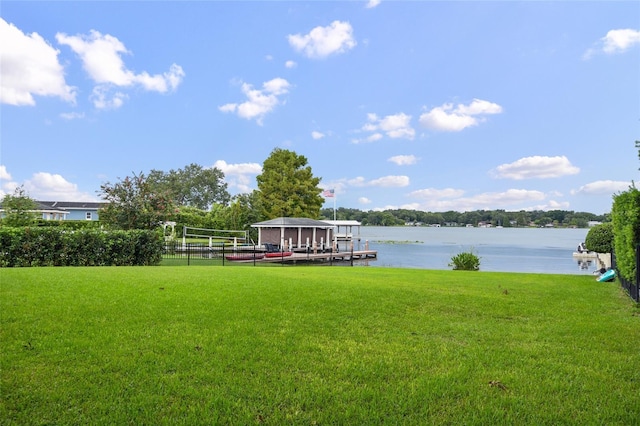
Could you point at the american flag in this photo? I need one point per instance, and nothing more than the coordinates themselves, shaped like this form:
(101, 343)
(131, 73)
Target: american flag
(328, 193)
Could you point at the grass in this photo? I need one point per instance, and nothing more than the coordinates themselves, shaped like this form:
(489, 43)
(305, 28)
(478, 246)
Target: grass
(308, 345)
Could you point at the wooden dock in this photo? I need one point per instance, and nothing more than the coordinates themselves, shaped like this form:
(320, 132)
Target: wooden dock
(244, 254)
(300, 257)
(345, 256)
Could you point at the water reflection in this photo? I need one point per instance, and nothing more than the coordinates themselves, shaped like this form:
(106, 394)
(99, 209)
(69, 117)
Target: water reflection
(584, 264)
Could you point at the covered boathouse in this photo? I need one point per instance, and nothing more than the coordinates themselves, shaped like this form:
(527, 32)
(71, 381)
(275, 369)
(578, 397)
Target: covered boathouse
(290, 233)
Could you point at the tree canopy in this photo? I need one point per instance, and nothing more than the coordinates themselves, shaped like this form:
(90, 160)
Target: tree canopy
(287, 186)
(19, 208)
(193, 186)
(133, 203)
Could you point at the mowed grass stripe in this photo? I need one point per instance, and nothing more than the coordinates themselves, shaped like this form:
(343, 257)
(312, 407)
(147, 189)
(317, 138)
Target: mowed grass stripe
(311, 345)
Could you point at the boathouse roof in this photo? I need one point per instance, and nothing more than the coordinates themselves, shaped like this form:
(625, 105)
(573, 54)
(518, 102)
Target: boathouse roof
(288, 222)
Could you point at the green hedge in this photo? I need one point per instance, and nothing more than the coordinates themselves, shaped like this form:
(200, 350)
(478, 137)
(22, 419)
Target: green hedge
(68, 224)
(87, 247)
(625, 215)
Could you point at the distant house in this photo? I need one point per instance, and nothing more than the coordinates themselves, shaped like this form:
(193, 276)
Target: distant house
(75, 210)
(66, 210)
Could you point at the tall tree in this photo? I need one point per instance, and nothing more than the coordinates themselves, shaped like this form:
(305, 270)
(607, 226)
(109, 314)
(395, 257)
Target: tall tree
(19, 208)
(133, 203)
(287, 186)
(193, 186)
(243, 211)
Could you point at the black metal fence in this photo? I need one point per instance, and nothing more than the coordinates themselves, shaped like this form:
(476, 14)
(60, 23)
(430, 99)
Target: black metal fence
(176, 253)
(632, 287)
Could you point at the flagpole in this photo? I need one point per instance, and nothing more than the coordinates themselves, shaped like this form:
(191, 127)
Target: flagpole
(334, 206)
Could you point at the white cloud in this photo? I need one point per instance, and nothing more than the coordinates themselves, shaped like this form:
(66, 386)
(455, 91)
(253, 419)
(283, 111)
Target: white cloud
(364, 200)
(373, 3)
(290, 64)
(358, 181)
(240, 175)
(29, 67)
(105, 97)
(382, 182)
(446, 118)
(429, 193)
(433, 199)
(397, 126)
(602, 187)
(539, 167)
(317, 135)
(72, 115)
(390, 182)
(616, 41)
(324, 41)
(403, 160)
(101, 57)
(259, 102)
(371, 138)
(7, 186)
(47, 186)
(4, 174)
(551, 205)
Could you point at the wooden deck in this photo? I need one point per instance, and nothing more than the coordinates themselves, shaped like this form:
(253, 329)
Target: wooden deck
(326, 257)
(345, 256)
(203, 251)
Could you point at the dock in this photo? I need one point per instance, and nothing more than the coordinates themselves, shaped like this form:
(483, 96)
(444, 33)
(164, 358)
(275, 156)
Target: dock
(345, 256)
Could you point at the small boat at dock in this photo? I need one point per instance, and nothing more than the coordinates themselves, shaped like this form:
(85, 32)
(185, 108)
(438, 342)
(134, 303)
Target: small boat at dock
(278, 254)
(244, 256)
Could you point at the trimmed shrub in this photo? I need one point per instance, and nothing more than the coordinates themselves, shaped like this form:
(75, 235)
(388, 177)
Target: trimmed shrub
(465, 261)
(600, 238)
(86, 247)
(68, 224)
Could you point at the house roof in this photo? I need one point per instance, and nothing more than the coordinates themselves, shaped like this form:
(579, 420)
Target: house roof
(66, 205)
(45, 207)
(292, 222)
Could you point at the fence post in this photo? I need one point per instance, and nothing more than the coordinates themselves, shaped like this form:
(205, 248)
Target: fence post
(188, 254)
(636, 285)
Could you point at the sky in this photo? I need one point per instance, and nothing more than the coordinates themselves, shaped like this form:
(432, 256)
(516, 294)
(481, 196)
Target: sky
(426, 105)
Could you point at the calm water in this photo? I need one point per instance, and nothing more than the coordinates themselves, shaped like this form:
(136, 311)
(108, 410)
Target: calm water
(500, 249)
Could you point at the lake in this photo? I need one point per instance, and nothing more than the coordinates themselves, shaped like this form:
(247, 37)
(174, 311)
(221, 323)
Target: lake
(540, 250)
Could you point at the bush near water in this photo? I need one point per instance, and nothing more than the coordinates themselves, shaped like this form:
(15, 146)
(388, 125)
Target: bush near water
(465, 261)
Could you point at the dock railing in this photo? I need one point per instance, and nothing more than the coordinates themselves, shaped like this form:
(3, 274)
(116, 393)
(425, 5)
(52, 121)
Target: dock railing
(177, 253)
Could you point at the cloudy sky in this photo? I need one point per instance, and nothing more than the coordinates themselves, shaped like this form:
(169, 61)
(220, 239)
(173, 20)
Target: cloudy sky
(396, 104)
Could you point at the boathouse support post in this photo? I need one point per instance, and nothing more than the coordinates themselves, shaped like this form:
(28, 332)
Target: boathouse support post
(351, 257)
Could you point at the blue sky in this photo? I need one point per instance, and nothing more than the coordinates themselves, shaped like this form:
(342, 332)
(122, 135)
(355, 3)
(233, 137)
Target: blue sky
(423, 105)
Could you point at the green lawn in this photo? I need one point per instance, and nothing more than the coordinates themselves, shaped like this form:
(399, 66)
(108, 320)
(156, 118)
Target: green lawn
(310, 345)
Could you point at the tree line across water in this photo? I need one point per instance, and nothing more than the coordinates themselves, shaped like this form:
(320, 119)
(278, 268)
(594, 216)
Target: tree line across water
(522, 218)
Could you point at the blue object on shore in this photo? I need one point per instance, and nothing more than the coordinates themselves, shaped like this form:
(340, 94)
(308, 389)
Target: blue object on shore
(607, 276)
